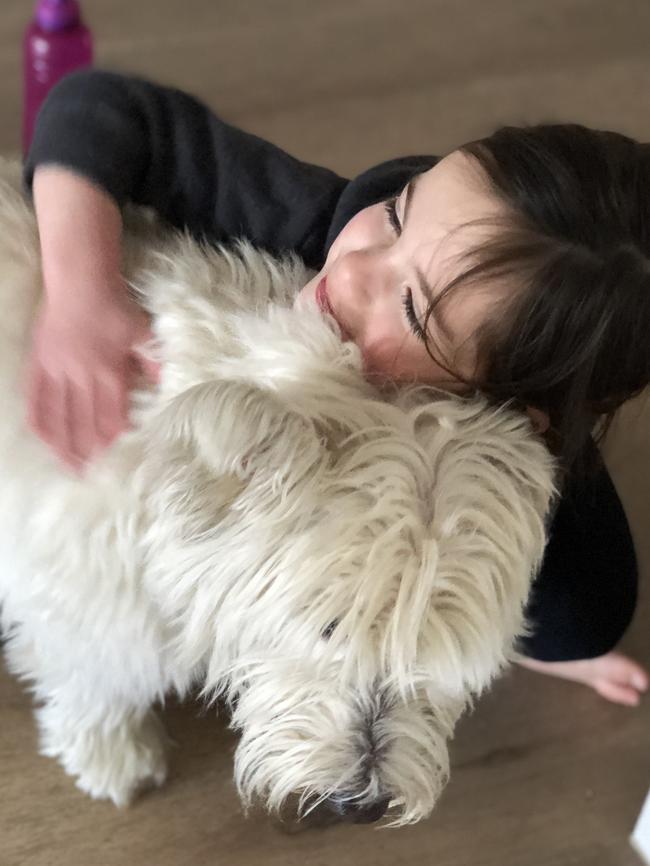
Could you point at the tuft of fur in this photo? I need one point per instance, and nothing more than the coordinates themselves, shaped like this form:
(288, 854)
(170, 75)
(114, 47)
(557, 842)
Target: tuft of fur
(348, 570)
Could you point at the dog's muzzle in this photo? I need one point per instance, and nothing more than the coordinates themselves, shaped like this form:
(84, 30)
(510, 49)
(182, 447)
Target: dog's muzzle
(358, 813)
(335, 810)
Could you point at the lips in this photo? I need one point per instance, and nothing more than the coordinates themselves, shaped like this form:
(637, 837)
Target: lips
(323, 302)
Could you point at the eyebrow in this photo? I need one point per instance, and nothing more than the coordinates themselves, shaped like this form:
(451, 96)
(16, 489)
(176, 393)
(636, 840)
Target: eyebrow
(425, 288)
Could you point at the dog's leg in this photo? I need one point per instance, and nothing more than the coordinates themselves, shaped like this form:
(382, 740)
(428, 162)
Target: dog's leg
(94, 714)
(114, 755)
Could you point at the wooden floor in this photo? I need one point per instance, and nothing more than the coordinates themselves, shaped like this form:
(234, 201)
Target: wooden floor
(545, 773)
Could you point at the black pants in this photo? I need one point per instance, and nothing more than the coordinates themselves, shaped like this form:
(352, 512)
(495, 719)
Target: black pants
(584, 596)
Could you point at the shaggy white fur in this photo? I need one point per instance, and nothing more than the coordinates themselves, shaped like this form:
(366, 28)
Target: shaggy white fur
(347, 570)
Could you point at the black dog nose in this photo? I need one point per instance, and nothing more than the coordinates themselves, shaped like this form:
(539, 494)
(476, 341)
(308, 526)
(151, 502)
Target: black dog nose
(359, 813)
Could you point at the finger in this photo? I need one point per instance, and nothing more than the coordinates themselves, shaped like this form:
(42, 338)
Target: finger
(150, 368)
(34, 386)
(66, 422)
(82, 435)
(52, 418)
(111, 406)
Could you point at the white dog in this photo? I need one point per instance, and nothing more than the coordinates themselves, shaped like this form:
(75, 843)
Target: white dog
(348, 571)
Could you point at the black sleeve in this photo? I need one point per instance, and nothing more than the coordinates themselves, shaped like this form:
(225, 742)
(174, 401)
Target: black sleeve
(160, 147)
(374, 185)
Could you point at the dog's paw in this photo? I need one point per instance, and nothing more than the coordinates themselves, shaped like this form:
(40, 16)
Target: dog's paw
(134, 767)
(112, 765)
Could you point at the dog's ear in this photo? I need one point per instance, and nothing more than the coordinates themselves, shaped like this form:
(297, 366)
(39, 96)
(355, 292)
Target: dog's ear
(213, 443)
(232, 425)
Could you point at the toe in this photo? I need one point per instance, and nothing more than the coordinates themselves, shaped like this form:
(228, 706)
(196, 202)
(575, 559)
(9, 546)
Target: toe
(618, 693)
(625, 671)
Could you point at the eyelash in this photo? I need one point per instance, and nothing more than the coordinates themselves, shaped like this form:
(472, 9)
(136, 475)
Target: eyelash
(407, 297)
(390, 206)
(407, 303)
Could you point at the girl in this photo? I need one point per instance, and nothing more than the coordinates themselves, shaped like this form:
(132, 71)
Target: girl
(518, 264)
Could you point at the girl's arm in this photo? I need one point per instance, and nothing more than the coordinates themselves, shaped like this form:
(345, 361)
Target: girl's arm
(157, 146)
(102, 140)
(84, 341)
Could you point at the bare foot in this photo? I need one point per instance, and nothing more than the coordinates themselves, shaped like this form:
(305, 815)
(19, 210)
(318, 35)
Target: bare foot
(614, 676)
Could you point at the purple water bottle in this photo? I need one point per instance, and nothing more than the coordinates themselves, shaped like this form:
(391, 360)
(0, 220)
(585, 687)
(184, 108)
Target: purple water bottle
(55, 43)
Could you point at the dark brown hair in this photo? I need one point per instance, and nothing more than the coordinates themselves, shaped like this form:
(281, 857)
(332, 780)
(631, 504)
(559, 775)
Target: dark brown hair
(573, 338)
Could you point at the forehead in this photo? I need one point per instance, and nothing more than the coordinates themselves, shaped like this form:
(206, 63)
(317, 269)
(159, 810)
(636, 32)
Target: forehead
(454, 192)
(446, 197)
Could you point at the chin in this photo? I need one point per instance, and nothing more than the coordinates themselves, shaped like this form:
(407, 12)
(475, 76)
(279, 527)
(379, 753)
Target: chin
(308, 291)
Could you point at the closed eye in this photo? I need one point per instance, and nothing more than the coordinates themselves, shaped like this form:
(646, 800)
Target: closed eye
(390, 206)
(407, 303)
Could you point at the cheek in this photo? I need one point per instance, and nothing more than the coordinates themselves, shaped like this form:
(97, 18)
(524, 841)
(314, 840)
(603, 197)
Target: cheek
(385, 350)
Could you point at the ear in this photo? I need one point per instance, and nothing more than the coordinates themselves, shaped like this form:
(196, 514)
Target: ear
(541, 421)
(232, 424)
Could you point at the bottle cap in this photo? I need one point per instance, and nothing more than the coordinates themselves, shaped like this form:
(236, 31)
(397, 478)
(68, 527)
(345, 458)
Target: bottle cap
(53, 15)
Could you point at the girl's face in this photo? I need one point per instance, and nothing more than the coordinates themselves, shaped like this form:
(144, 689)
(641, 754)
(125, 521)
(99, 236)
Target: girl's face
(392, 258)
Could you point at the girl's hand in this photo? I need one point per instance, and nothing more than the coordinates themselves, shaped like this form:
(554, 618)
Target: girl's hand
(80, 370)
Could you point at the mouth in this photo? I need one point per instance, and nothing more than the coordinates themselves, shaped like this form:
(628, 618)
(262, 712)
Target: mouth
(323, 301)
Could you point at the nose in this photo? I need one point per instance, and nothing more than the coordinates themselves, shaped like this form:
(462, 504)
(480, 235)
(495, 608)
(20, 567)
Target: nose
(359, 813)
(360, 274)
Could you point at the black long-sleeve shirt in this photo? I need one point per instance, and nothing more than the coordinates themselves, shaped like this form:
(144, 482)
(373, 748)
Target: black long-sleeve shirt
(157, 146)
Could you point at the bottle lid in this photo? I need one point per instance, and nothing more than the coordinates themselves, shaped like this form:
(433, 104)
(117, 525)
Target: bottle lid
(53, 15)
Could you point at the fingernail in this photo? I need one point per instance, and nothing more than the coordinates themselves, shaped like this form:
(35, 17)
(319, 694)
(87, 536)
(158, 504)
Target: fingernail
(640, 682)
